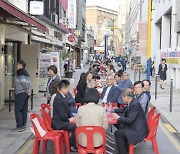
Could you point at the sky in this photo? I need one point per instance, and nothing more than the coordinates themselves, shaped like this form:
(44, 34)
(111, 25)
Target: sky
(110, 4)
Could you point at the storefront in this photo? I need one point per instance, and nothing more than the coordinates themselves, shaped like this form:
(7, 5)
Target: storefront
(13, 35)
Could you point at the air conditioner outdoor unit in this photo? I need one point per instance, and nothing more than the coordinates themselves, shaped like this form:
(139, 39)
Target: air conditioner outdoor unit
(54, 17)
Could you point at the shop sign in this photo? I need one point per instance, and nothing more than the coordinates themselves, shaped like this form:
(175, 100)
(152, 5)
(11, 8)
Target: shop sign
(72, 13)
(71, 38)
(36, 8)
(142, 35)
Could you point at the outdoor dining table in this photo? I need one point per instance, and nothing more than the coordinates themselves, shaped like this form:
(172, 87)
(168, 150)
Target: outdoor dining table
(111, 120)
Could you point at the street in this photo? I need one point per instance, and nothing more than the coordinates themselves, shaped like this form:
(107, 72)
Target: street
(168, 138)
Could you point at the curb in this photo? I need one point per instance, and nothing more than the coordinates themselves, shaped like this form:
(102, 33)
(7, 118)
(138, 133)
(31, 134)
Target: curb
(164, 118)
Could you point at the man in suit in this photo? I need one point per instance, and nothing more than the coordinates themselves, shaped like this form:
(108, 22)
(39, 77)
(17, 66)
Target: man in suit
(133, 127)
(141, 96)
(111, 92)
(61, 113)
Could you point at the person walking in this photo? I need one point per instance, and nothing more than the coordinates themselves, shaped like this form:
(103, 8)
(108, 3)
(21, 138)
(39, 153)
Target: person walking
(22, 93)
(162, 72)
(54, 77)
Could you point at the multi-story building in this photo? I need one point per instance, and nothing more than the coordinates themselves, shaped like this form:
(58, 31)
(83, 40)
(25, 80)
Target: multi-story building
(136, 30)
(103, 21)
(166, 37)
(23, 37)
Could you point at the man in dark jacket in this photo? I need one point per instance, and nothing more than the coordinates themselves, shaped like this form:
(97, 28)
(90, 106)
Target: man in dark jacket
(22, 93)
(111, 92)
(133, 123)
(61, 112)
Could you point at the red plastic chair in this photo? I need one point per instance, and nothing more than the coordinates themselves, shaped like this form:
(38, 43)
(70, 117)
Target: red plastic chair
(47, 121)
(151, 136)
(150, 115)
(75, 91)
(49, 135)
(46, 107)
(89, 131)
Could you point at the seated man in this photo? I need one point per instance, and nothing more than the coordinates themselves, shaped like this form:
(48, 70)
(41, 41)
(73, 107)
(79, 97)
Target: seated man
(134, 128)
(147, 85)
(61, 113)
(111, 92)
(141, 96)
(127, 81)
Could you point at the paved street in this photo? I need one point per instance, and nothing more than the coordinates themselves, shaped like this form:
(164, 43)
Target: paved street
(168, 141)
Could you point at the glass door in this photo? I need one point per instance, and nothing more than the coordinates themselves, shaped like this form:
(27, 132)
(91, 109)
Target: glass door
(10, 67)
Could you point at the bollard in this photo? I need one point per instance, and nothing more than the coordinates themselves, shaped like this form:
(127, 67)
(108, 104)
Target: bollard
(134, 73)
(156, 86)
(32, 95)
(139, 74)
(171, 95)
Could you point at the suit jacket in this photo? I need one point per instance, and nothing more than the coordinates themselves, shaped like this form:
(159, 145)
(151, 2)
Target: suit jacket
(162, 72)
(134, 122)
(61, 112)
(91, 115)
(113, 94)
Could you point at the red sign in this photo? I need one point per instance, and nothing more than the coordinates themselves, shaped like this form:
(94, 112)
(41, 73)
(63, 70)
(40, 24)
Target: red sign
(142, 26)
(71, 38)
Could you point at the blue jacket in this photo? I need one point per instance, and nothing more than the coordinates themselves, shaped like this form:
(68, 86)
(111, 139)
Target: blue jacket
(127, 84)
(122, 84)
(113, 94)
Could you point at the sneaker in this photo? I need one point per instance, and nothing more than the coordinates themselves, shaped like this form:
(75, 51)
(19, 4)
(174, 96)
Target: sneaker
(19, 129)
(73, 149)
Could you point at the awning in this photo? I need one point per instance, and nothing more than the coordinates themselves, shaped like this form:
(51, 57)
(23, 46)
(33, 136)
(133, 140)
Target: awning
(11, 12)
(64, 4)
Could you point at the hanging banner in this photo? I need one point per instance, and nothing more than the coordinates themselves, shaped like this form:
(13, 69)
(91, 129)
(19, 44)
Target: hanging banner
(45, 60)
(72, 13)
(142, 28)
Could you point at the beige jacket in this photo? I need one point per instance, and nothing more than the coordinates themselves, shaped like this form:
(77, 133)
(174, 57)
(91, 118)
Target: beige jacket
(91, 115)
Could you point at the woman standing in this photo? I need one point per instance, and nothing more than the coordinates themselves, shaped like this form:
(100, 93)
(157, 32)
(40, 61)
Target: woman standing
(162, 72)
(54, 77)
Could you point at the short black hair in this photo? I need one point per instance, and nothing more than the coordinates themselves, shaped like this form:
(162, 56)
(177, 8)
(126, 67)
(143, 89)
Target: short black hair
(53, 68)
(118, 74)
(139, 82)
(163, 60)
(63, 84)
(147, 81)
(22, 63)
(91, 95)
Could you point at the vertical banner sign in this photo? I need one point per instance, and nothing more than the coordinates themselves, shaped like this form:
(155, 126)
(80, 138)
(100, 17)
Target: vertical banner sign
(72, 12)
(45, 60)
(44, 63)
(142, 28)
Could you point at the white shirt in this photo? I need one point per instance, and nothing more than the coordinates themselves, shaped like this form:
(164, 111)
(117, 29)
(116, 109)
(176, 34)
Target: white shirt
(106, 95)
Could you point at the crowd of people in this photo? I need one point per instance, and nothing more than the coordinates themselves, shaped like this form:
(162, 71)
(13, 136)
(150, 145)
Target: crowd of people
(132, 101)
(132, 104)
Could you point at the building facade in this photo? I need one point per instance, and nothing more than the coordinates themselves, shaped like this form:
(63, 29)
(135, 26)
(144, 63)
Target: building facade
(136, 30)
(23, 36)
(103, 21)
(166, 37)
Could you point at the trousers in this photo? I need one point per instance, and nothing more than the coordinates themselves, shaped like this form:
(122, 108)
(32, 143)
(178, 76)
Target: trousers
(121, 141)
(21, 109)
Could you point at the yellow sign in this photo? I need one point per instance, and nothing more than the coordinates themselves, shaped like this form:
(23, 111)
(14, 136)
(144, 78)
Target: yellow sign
(173, 60)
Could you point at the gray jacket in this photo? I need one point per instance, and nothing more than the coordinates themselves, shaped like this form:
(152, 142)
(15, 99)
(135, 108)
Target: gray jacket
(23, 84)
